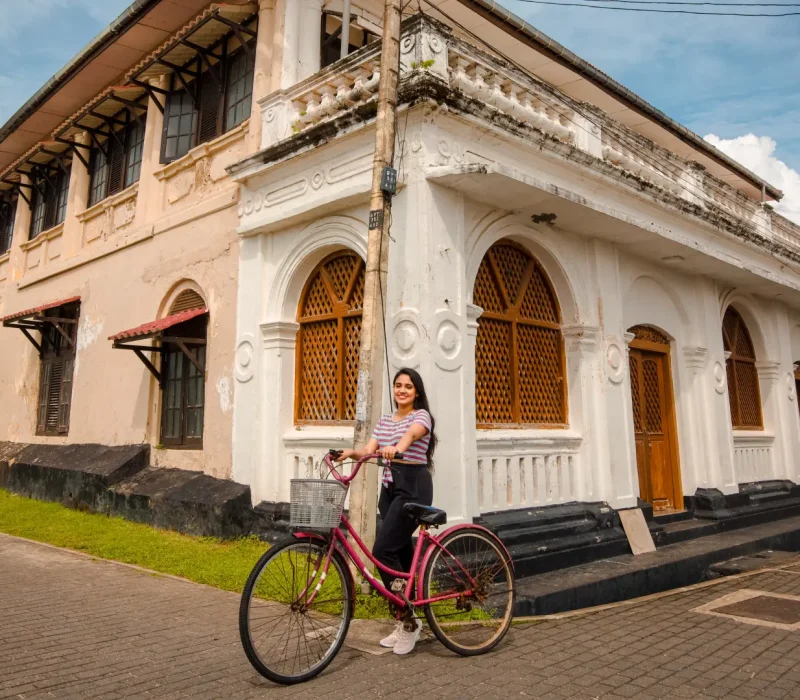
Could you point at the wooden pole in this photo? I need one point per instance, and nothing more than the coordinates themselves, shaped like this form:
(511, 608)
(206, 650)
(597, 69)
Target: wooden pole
(371, 367)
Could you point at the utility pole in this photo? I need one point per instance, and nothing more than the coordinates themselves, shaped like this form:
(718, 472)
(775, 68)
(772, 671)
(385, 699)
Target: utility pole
(364, 490)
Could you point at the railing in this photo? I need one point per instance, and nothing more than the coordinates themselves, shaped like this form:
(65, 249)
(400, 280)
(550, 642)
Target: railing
(753, 457)
(527, 101)
(668, 175)
(514, 472)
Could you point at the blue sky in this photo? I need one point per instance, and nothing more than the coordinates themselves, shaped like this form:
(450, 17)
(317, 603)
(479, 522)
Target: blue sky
(726, 76)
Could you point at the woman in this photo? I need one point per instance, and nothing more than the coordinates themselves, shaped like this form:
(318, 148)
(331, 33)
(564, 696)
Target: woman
(410, 431)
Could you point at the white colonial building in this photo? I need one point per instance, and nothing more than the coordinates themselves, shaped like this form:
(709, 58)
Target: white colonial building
(602, 305)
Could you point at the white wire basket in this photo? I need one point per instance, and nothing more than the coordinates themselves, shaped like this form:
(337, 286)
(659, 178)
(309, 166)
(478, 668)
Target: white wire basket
(316, 504)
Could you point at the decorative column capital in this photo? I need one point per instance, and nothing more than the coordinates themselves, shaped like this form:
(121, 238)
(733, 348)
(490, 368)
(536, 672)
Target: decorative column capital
(695, 357)
(629, 338)
(473, 314)
(768, 370)
(279, 335)
(581, 339)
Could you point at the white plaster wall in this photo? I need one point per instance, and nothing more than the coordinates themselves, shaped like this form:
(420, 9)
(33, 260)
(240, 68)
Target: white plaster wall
(292, 215)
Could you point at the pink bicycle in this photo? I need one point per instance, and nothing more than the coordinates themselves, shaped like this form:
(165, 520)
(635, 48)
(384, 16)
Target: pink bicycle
(300, 597)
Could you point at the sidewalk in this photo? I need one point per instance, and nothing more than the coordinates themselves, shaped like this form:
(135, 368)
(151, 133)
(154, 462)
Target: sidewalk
(75, 627)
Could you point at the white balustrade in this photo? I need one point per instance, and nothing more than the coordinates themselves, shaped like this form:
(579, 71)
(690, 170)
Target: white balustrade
(752, 457)
(515, 473)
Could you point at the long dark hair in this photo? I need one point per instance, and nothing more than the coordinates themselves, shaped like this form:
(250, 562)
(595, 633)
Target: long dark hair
(420, 403)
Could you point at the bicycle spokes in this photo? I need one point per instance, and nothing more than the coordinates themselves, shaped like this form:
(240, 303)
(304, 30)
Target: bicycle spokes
(297, 612)
(473, 576)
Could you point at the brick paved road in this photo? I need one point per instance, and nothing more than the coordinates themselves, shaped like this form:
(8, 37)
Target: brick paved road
(74, 627)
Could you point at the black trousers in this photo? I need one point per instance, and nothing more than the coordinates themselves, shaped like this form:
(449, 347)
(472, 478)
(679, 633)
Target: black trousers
(393, 545)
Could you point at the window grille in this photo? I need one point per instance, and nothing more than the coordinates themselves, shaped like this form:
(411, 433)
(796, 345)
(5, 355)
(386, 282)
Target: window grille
(743, 389)
(8, 214)
(183, 387)
(520, 349)
(49, 203)
(328, 343)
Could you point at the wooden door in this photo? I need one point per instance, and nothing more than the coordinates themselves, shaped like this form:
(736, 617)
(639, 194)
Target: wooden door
(654, 427)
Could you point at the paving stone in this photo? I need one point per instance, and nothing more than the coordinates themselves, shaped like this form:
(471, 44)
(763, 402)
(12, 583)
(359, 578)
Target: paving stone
(74, 627)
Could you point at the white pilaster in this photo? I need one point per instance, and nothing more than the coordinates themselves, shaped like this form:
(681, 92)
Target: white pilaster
(769, 374)
(696, 360)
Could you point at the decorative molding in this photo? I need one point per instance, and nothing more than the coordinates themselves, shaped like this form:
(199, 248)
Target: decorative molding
(103, 205)
(617, 359)
(405, 338)
(244, 357)
(791, 387)
(581, 339)
(448, 346)
(473, 314)
(768, 370)
(279, 335)
(204, 150)
(695, 357)
(517, 442)
(316, 178)
(720, 378)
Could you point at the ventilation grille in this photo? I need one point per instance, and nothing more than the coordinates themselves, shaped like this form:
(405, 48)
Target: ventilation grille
(186, 301)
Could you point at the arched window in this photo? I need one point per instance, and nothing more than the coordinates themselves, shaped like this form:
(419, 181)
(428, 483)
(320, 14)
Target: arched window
(328, 342)
(520, 350)
(743, 391)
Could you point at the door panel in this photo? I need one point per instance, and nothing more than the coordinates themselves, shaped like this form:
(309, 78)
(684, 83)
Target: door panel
(656, 458)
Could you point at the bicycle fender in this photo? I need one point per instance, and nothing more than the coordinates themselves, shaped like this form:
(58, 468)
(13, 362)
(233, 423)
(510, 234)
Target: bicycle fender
(319, 538)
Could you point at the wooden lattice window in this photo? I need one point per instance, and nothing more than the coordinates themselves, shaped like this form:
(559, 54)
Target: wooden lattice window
(743, 390)
(519, 356)
(328, 342)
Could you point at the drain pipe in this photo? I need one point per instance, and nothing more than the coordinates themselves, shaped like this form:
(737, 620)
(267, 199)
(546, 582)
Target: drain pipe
(345, 29)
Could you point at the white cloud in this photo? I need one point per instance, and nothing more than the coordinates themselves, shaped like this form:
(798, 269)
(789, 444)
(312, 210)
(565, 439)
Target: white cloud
(757, 154)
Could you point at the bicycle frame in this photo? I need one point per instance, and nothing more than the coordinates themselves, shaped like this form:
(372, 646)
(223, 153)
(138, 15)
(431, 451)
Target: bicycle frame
(337, 538)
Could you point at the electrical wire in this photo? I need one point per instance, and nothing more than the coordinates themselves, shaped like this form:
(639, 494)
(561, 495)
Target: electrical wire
(666, 12)
(700, 2)
(687, 187)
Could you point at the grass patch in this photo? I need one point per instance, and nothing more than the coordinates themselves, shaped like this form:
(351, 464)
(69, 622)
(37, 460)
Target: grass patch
(224, 564)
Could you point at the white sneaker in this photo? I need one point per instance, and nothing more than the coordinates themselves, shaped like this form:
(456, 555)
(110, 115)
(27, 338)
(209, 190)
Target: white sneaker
(391, 640)
(407, 640)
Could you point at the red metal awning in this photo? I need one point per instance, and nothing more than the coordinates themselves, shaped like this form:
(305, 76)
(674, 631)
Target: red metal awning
(38, 310)
(153, 328)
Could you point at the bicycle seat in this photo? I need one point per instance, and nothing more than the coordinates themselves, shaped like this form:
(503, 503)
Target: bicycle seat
(426, 514)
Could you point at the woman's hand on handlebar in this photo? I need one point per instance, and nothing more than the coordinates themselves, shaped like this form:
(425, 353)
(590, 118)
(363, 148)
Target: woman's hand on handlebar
(389, 452)
(346, 454)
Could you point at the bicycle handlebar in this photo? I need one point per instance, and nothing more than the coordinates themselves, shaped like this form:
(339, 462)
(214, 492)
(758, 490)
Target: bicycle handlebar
(341, 478)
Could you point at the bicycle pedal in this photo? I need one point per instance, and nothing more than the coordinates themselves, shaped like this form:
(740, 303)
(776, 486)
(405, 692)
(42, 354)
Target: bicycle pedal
(398, 585)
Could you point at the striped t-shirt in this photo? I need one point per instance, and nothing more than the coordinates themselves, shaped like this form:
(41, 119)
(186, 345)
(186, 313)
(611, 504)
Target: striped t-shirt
(389, 432)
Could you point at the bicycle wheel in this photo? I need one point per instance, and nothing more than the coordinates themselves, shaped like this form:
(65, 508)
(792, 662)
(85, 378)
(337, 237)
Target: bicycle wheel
(475, 622)
(287, 638)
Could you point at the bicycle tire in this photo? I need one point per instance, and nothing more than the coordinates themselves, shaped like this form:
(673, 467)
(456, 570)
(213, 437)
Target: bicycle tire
(472, 541)
(318, 550)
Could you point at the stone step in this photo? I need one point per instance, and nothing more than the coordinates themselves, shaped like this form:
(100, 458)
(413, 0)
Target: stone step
(671, 566)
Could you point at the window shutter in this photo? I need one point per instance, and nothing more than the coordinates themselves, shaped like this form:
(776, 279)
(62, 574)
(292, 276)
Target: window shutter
(44, 392)
(65, 397)
(209, 106)
(53, 399)
(116, 165)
